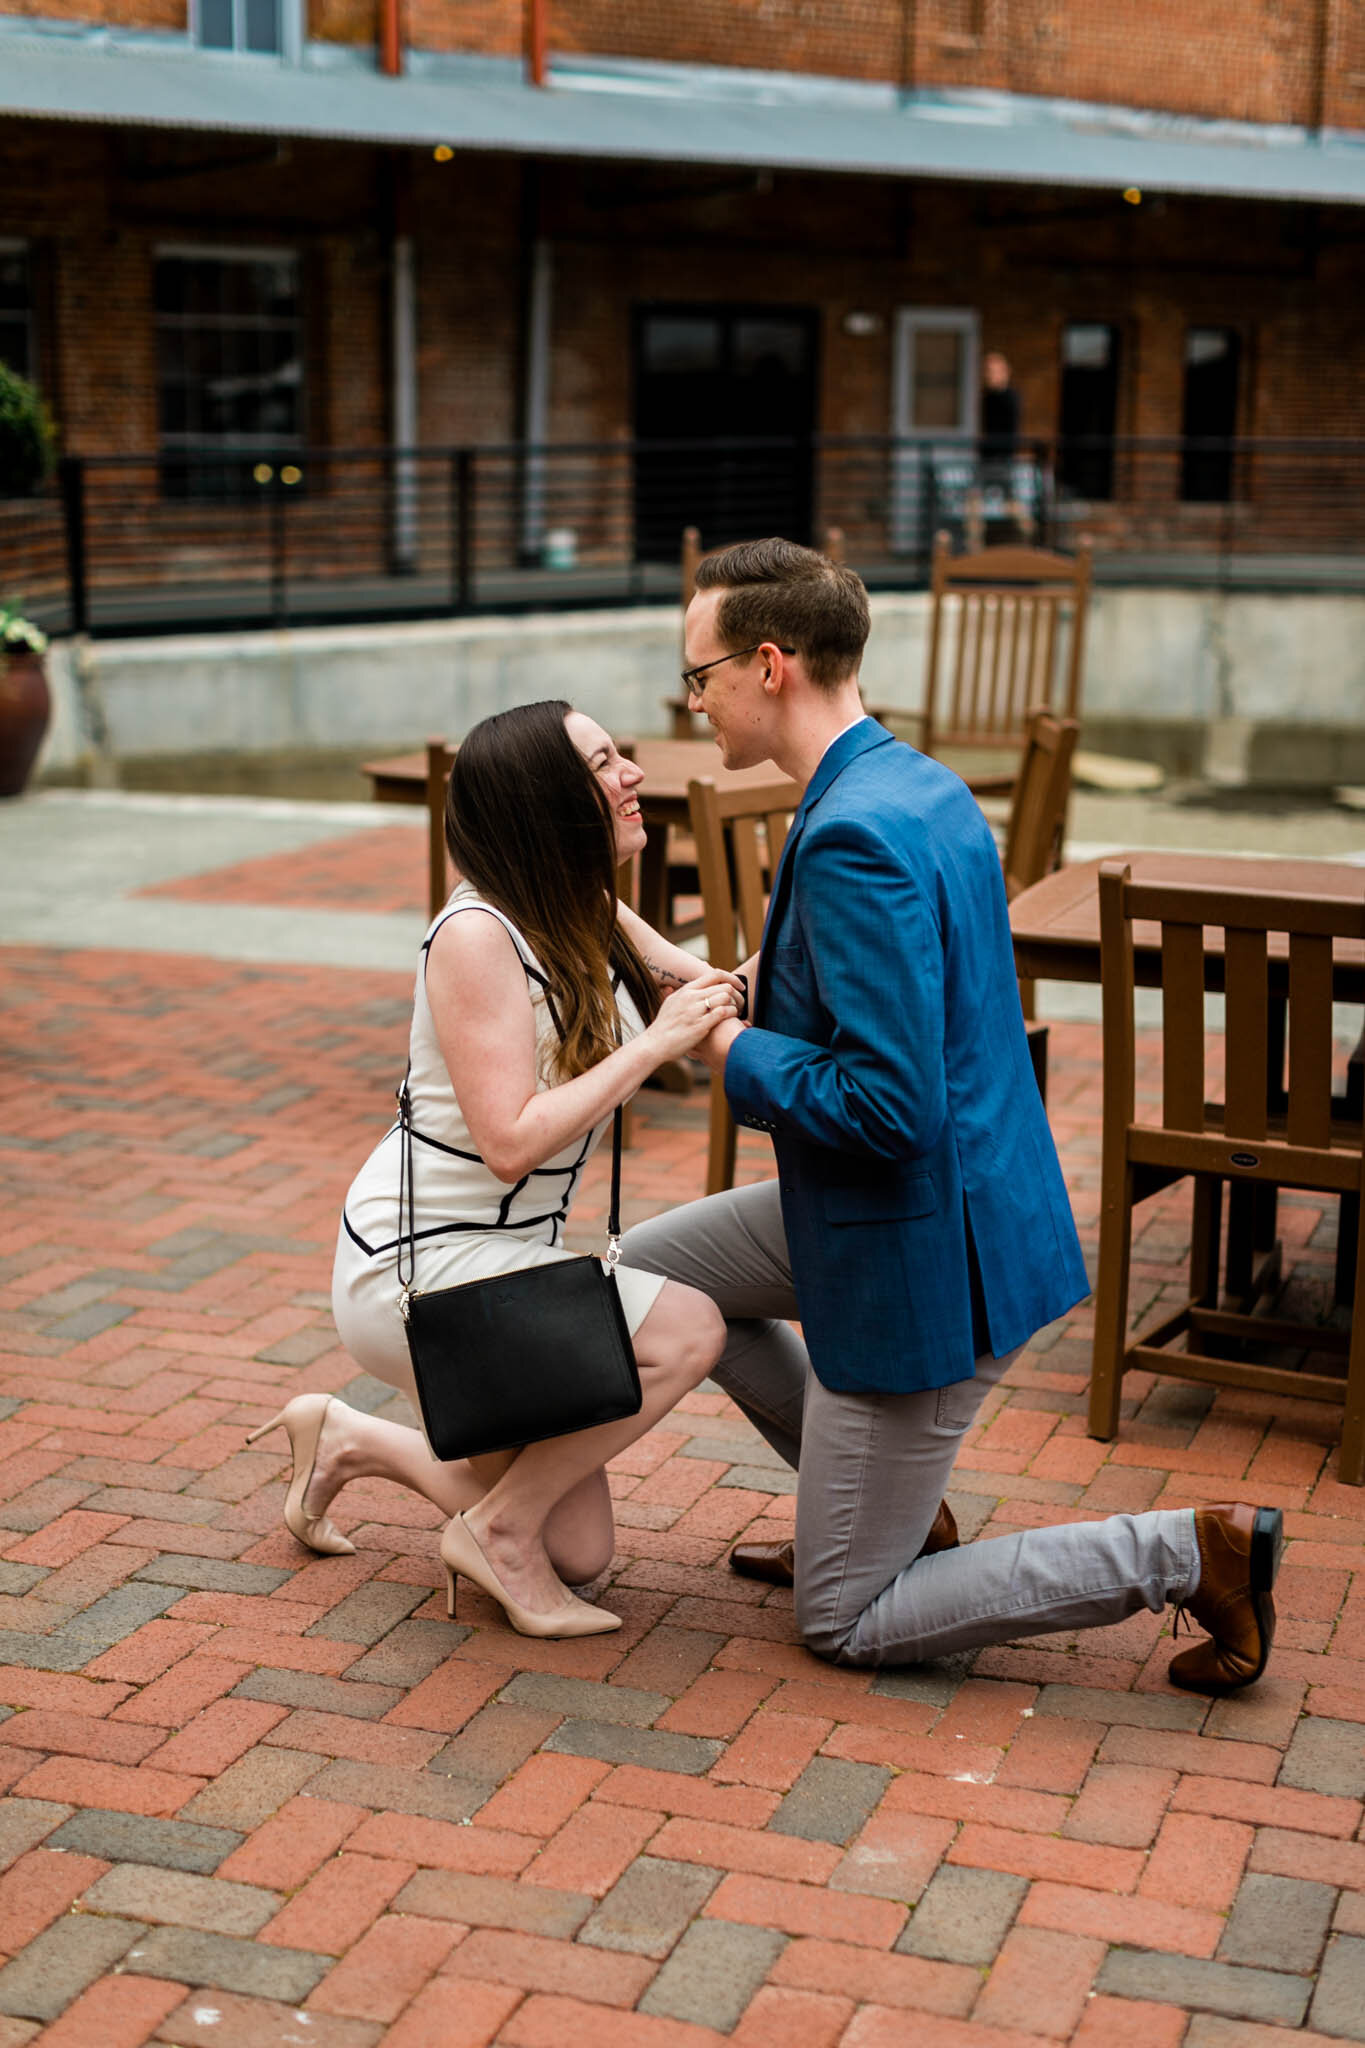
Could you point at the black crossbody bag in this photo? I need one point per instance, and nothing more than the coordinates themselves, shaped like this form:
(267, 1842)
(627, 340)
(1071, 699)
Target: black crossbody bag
(513, 1359)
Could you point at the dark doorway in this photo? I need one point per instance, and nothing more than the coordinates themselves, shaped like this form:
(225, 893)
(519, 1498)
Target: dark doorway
(1089, 408)
(738, 374)
(1209, 414)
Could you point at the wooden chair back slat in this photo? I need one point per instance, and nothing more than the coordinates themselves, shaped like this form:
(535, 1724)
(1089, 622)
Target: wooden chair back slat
(1182, 1026)
(739, 836)
(962, 670)
(1120, 1056)
(1080, 608)
(1037, 819)
(1051, 610)
(748, 843)
(1037, 681)
(1001, 679)
(719, 912)
(777, 824)
(1246, 1032)
(1019, 668)
(1309, 1116)
(439, 759)
(1003, 611)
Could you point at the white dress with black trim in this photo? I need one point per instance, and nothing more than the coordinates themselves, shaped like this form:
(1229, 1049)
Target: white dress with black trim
(469, 1224)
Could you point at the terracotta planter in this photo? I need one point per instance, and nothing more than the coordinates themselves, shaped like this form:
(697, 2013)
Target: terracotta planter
(25, 708)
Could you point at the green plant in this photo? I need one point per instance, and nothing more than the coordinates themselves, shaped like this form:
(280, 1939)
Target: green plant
(27, 436)
(19, 635)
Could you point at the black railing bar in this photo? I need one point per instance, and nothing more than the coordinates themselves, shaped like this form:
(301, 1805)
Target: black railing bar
(623, 452)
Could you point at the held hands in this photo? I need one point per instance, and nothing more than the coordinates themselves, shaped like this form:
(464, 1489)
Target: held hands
(691, 1013)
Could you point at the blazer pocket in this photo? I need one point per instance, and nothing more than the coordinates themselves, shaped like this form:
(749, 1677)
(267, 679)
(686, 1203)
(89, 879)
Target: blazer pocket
(911, 1197)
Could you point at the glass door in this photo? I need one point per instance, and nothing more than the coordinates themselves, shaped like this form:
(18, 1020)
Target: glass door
(934, 404)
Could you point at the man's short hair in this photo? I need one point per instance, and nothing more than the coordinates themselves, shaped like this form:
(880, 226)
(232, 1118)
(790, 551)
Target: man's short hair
(795, 597)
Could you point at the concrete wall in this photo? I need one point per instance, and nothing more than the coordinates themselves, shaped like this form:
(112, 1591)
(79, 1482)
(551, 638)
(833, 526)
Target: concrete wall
(1243, 686)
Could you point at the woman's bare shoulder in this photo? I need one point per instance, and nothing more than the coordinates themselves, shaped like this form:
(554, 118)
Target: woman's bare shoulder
(474, 938)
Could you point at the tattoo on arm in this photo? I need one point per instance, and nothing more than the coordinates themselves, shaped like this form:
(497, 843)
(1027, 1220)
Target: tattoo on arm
(665, 976)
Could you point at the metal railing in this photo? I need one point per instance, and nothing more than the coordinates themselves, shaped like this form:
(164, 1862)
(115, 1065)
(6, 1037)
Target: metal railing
(209, 540)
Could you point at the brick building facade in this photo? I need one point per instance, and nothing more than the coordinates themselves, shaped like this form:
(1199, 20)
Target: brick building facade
(571, 296)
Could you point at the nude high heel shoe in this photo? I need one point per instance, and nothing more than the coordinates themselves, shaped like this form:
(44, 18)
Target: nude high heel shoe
(460, 1552)
(301, 1419)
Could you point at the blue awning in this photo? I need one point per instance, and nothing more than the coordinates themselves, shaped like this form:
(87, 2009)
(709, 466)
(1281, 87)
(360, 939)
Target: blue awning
(670, 114)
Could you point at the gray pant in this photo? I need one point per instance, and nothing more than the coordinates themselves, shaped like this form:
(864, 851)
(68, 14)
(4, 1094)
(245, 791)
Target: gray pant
(873, 1468)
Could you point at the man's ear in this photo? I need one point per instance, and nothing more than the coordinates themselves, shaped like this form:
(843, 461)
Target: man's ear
(773, 680)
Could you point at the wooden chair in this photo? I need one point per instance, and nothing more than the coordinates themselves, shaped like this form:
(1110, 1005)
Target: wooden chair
(739, 835)
(996, 625)
(1241, 1140)
(439, 758)
(1034, 834)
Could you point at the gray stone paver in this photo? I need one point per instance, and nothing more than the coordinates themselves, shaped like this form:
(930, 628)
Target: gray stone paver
(1339, 2002)
(1278, 1923)
(1134, 1709)
(253, 1788)
(649, 1906)
(1326, 1756)
(1242, 1994)
(257, 1968)
(211, 1575)
(963, 1916)
(324, 1695)
(830, 1800)
(386, 1789)
(119, 1614)
(713, 1973)
(26, 1822)
(581, 1699)
(59, 1963)
(139, 1838)
(370, 1612)
(653, 1748)
(410, 1652)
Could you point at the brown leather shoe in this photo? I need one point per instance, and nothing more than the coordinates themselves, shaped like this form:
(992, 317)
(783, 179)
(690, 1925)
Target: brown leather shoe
(1239, 1555)
(776, 1562)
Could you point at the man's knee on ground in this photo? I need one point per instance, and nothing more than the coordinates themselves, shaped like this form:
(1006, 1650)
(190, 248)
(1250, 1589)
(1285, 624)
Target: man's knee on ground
(825, 1638)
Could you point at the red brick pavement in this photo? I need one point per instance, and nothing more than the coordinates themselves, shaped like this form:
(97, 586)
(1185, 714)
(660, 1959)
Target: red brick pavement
(256, 1797)
(380, 868)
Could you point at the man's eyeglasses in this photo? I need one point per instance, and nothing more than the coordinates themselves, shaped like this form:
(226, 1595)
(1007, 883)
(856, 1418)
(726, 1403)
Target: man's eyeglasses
(692, 677)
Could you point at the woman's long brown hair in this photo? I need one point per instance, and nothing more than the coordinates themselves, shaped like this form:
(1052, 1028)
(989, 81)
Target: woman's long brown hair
(528, 824)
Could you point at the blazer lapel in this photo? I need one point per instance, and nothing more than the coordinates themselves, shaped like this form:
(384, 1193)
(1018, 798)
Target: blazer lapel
(849, 745)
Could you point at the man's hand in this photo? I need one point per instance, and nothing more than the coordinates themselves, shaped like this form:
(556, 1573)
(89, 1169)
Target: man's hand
(713, 1049)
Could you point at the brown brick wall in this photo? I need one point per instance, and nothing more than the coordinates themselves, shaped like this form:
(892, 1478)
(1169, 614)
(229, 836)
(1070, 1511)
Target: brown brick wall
(94, 206)
(148, 14)
(1297, 61)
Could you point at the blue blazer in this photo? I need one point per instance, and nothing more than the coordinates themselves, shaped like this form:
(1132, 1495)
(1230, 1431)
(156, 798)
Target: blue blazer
(925, 1210)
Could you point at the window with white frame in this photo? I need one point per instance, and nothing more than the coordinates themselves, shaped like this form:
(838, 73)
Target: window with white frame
(229, 339)
(17, 351)
(259, 28)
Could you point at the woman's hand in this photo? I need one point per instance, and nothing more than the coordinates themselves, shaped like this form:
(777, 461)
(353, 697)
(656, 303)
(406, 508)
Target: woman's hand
(692, 1012)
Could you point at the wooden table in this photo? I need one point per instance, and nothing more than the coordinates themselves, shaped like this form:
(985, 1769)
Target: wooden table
(1056, 928)
(669, 765)
(1056, 923)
